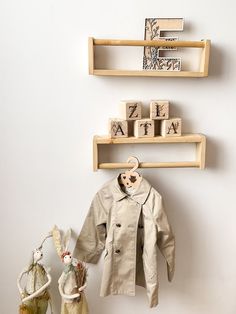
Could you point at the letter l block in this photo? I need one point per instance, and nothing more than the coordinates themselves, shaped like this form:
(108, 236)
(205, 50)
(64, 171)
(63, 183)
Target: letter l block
(159, 109)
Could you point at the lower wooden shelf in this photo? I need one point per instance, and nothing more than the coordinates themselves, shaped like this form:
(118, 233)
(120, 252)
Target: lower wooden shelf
(198, 139)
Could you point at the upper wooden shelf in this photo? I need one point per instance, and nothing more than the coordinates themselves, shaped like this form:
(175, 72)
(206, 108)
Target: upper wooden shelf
(203, 69)
(198, 139)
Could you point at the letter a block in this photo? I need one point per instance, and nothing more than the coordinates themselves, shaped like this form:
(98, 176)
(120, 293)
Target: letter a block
(171, 127)
(144, 128)
(118, 128)
(159, 109)
(131, 109)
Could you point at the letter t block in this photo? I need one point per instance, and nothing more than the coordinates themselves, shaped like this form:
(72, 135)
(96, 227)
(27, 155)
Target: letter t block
(144, 128)
(131, 109)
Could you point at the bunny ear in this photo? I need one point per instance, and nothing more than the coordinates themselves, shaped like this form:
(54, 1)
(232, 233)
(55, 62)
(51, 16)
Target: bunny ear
(57, 240)
(49, 235)
(66, 240)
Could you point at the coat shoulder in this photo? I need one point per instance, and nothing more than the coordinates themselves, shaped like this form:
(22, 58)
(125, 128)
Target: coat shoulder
(104, 196)
(154, 201)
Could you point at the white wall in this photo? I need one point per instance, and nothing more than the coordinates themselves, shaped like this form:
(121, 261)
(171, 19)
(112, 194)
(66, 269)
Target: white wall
(51, 108)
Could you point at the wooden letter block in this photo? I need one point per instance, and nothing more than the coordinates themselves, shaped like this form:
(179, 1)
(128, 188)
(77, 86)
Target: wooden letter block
(131, 109)
(171, 127)
(153, 59)
(118, 128)
(144, 128)
(159, 109)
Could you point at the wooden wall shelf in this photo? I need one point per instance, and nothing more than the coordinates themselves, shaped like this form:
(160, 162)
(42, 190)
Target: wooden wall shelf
(204, 64)
(198, 139)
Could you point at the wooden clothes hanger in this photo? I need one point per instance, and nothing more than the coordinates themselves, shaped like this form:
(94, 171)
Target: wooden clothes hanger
(131, 178)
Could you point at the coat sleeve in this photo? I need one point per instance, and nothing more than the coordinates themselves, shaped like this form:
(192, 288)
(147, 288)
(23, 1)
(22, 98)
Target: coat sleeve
(165, 237)
(91, 241)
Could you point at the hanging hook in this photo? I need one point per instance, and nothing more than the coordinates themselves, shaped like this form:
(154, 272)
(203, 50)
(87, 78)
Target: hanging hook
(136, 162)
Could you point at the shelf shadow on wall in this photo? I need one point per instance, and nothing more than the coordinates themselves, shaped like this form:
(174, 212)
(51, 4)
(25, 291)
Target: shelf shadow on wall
(214, 154)
(187, 246)
(217, 61)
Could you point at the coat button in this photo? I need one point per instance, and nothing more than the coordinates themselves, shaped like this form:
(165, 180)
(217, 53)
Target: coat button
(118, 225)
(117, 251)
(140, 226)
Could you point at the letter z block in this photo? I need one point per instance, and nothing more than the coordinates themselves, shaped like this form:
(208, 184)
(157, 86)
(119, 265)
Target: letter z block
(131, 109)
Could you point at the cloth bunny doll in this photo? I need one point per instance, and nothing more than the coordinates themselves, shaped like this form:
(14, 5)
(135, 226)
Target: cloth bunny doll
(35, 295)
(72, 281)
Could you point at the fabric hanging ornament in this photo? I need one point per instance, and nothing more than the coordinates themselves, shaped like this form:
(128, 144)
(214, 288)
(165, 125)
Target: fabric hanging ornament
(72, 281)
(35, 296)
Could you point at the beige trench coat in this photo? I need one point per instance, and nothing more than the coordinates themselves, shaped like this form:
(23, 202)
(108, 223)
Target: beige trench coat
(130, 229)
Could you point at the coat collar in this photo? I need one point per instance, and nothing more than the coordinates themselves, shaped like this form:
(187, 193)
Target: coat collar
(140, 194)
